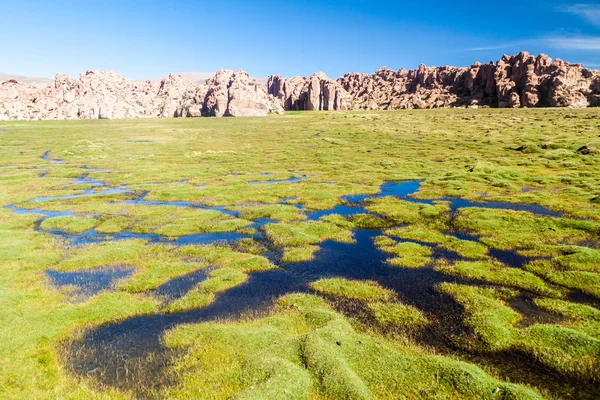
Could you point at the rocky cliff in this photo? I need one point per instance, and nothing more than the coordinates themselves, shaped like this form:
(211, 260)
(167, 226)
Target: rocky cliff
(109, 95)
(235, 94)
(514, 81)
(315, 93)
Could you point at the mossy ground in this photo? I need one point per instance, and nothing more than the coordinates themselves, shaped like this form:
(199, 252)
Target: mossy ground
(568, 349)
(306, 350)
(293, 352)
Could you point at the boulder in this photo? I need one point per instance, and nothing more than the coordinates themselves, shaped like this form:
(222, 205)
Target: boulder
(587, 150)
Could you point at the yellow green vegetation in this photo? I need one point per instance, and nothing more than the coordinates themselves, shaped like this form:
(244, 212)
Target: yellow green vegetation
(249, 245)
(408, 254)
(37, 317)
(402, 212)
(580, 317)
(382, 303)
(487, 312)
(299, 239)
(304, 350)
(353, 290)
(69, 224)
(167, 221)
(578, 258)
(419, 233)
(504, 229)
(496, 273)
(204, 293)
(369, 221)
(394, 314)
(114, 217)
(464, 248)
(299, 253)
(157, 264)
(306, 233)
(568, 349)
(293, 353)
(277, 212)
(588, 282)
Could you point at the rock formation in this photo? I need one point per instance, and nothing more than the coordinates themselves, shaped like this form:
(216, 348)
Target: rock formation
(236, 94)
(514, 81)
(95, 95)
(315, 93)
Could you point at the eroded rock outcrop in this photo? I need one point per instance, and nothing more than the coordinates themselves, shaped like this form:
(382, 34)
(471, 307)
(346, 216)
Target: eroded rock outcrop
(236, 94)
(315, 93)
(95, 95)
(514, 81)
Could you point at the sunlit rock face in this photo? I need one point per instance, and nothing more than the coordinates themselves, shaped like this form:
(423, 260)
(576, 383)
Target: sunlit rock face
(236, 94)
(514, 81)
(521, 80)
(315, 93)
(108, 95)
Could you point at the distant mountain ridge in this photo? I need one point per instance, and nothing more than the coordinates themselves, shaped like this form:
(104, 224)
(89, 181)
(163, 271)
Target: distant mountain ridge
(26, 79)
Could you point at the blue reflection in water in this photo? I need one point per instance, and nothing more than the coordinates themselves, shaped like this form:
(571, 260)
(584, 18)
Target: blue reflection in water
(89, 282)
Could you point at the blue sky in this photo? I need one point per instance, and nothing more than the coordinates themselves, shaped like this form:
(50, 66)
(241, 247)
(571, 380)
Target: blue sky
(142, 39)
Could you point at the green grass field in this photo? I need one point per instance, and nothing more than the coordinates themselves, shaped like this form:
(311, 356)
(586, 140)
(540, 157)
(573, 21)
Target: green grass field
(160, 195)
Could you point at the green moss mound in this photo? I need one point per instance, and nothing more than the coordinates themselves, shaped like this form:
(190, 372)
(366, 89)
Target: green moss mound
(304, 350)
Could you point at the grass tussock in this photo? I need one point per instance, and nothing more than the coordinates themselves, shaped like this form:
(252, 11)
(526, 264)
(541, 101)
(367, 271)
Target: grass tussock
(587, 282)
(402, 212)
(293, 352)
(305, 350)
(353, 290)
(504, 229)
(569, 350)
(496, 273)
(69, 224)
(421, 233)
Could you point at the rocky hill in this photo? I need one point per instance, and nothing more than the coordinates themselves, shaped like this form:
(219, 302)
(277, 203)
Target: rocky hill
(109, 95)
(514, 81)
(315, 93)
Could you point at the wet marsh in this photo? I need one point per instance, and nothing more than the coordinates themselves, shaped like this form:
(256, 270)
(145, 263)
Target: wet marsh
(414, 254)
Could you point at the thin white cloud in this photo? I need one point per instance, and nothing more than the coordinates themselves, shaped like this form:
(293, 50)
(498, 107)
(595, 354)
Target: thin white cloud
(589, 12)
(501, 46)
(578, 43)
(586, 43)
